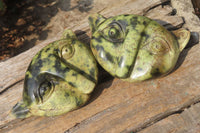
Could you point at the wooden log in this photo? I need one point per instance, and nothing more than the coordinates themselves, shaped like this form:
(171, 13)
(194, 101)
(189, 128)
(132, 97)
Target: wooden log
(115, 105)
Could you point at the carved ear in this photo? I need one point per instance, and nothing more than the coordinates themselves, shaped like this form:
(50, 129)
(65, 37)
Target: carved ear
(68, 34)
(183, 37)
(95, 20)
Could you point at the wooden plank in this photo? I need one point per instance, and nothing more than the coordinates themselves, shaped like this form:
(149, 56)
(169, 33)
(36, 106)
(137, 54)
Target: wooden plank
(186, 121)
(115, 105)
(126, 105)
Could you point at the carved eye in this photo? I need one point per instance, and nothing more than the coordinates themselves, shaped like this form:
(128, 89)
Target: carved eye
(158, 45)
(67, 51)
(113, 32)
(45, 90)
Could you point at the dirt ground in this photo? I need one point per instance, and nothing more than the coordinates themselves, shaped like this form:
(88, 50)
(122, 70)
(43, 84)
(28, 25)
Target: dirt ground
(27, 22)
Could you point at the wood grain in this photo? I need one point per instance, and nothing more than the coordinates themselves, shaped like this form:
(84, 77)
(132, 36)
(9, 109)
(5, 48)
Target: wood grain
(185, 9)
(186, 121)
(115, 105)
(120, 106)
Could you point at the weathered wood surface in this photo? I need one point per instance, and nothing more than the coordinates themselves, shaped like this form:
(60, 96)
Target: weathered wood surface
(182, 122)
(185, 9)
(115, 105)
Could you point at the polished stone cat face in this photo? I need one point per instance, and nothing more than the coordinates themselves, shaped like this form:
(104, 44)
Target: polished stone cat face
(134, 48)
(59, 79)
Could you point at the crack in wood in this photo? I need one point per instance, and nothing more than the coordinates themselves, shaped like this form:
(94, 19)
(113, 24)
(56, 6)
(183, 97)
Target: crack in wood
(166, 114)
(163, 2)
(149, 123)
(94, 117)
(7, 87)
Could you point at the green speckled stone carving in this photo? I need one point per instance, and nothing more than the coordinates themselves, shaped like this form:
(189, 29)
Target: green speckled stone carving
(135, 48)
(59, 79)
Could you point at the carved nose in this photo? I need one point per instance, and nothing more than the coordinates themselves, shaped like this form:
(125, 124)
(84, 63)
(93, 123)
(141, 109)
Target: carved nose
(20, 110)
